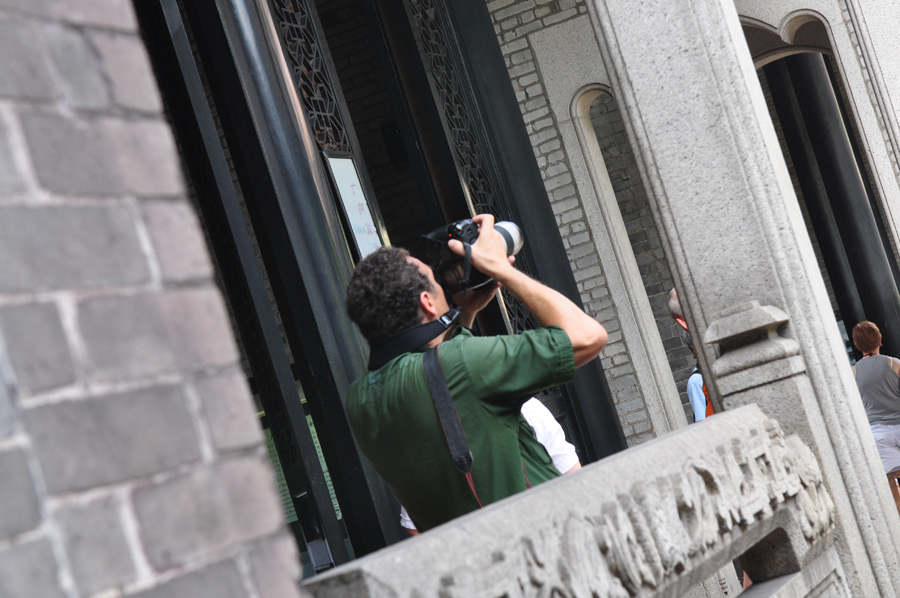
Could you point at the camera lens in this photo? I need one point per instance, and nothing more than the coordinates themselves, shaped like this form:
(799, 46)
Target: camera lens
(512, 234)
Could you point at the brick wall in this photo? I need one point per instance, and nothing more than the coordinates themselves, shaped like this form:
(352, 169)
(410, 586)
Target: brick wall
(120, 474)
(513, 21)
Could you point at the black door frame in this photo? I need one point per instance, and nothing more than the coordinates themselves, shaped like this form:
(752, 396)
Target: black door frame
(305, 251)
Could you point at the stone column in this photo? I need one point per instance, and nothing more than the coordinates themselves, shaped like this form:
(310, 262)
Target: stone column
(847, 194)
(815, 194)
(735, 240)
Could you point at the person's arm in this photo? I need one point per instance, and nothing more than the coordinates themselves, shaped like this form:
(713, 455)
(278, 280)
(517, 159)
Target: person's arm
(550, 434)
(587, 336)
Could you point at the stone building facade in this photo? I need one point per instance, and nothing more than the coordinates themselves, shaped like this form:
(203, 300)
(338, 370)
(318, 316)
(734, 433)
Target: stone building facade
(131, 454)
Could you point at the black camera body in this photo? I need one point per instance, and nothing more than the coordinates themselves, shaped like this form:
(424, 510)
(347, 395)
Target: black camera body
(448, 267)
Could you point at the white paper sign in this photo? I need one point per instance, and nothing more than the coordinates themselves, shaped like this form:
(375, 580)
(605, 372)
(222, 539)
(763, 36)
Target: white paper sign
(355, 205)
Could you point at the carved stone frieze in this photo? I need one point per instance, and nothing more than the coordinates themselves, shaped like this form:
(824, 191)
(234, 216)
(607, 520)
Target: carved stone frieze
(652, 521)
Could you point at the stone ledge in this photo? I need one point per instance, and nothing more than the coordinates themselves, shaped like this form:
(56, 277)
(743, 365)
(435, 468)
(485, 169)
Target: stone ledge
(682, 507)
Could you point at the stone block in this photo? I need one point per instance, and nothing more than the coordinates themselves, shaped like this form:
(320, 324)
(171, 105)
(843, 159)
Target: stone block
(79, 70)
(82, 444)
(146, 155)
(96, 546)
(230, 412)
(37, 346)
(51, 247)
(29, 570)
(221, 580)
(9, 178)
(35, 7)
(276, 568)
(118, 14)
(151, 334)
(7, 414)
(216, 507)
(20, 510)
(127, 68)
(71, 158)
(178, 241)
(104, 157)
(24, 71)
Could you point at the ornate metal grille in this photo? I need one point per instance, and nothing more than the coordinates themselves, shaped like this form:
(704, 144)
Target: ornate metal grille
(309, 72)
(443, 60)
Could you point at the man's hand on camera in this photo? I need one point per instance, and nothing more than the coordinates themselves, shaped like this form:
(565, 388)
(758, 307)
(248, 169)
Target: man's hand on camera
(587, 336)
(489, 251)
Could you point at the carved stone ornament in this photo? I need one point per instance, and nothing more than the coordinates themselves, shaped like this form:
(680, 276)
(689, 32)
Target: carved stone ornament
(654, 520)
(753, 353)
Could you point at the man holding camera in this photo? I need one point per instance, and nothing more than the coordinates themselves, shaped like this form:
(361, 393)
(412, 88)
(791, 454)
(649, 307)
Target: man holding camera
(390, 409)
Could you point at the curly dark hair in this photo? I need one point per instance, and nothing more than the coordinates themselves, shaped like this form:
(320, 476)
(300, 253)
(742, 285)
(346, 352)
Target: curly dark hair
(383, 294)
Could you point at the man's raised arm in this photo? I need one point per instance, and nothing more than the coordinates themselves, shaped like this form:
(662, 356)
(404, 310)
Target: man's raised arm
(588, 337)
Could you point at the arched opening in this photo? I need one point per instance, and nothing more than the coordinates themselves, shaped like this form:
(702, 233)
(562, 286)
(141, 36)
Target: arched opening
(830, 171)
(614, 168)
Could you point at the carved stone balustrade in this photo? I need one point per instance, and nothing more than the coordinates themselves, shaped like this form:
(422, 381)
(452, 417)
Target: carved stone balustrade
(654, 520)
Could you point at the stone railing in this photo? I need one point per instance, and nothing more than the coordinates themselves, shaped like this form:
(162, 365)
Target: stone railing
(654, 520)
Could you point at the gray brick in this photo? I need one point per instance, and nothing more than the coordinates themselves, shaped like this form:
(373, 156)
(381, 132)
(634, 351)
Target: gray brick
(275, 567)
(96, 545)
(526, 29)
(233, 502)
(78, 68)
(105, 157)
(560, 16)
(623, 382)
(93, 442)
(29, 571)
(20, 510)
(118, 14)
(36, 7)
(514, 9)
(221, 580)
(522, 69)
(146, 155)
(64, 247)
(178, 241)
(152, 334)
(515, 46)
(7, 414)
(69, 158)
(639, 427)
(230, 412)
(37, 346)
(24, 72)
(127, 68)
(9, 178)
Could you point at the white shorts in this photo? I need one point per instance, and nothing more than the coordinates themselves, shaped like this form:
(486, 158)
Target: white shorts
(887, 439)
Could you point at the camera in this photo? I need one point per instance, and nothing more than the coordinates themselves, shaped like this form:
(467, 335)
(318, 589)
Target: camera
(448, 267)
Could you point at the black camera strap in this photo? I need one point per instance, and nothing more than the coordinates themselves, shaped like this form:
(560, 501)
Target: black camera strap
(449, 418)
(410, 339)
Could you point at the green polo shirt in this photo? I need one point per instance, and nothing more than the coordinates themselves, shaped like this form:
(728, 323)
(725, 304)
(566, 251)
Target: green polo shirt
(395, 424)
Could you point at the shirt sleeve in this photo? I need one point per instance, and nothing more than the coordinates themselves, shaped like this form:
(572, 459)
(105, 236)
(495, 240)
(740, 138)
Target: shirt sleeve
(696, 396)
(550, 434)
(504, 369)
(405, 521)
